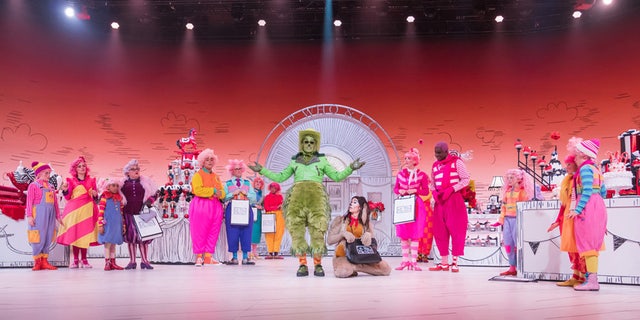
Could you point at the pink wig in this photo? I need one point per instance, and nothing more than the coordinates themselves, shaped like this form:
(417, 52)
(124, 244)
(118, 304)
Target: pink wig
(274, 185)
(207, 153)
(235, 163)
(571, 158)
(525, 182)
(414, 155)
(73, 169)
(103, 183)
(572, 145)
(257, 180)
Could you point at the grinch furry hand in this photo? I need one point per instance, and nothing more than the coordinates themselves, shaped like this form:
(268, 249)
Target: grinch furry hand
(256, 167)
(357, 164)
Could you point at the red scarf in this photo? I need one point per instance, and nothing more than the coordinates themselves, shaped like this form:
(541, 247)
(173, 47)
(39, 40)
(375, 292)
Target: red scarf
(115, 196)
(353, 221)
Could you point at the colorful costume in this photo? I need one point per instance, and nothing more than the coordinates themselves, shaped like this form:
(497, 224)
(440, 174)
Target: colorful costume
(306, 204)
(137, 192)
(256, 233)
(205, 213)
(80, 215)
(238, 233)
(342, 267)
(273, 205)
(450, 212)
(41, 208)
(110, 217)
(590, 222)
(519, 188)
(411, 180)
(567, 237)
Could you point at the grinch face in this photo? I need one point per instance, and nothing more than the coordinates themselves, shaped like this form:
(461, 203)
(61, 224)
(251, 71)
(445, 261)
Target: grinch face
(308, 144)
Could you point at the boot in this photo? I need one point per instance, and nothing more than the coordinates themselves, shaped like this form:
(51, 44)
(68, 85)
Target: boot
(107, 264)
(45, 263)
(590, 285)
(114, 266)
(303, 271)
(569, 283)
(318, 271)
(37, 263)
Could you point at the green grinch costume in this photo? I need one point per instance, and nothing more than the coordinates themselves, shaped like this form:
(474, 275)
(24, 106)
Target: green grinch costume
(306, 204)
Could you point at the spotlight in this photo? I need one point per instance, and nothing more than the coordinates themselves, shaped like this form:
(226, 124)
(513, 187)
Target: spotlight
(607, 2)
(499, 18)
(262, 22)
(115, 25)
(189, 26)
(576, 14)
(69, 12)
(411, 19)
(337, 23)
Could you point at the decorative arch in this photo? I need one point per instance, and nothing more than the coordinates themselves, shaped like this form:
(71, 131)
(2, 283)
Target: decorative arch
(345, 135)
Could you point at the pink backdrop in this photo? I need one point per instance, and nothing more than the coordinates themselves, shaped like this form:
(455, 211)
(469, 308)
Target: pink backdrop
(67, 94)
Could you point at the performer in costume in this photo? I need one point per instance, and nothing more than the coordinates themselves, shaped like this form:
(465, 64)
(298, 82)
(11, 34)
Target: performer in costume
(137, 191)
(519, 187)
(567, 238)
(256, 233)
(413, 181)
(110, 221)
(80, 215)
(347, 228)
(273, 205)
(238, 188)
(306, 204)
(205, 210)
(590, 214)
(449, 176)
(42, 212)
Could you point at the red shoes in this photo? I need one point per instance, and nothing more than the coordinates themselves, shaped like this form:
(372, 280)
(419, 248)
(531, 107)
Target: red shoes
(440, 267)
(509, 273)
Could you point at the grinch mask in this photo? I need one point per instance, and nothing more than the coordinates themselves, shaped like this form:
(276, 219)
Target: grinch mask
(309, 141)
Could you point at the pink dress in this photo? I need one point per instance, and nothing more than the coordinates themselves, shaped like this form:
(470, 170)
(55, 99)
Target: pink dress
(418, 180)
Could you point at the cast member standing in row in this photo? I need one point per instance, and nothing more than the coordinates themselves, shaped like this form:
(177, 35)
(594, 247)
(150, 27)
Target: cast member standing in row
(238, 188)
(346, 229)
(307, 203)
(590, 214)
(412, 181)
(449, 176)
(256, 233)
(273, 205)
(205, 210)
(519, 187)
(138, 191)
(80, 214)
(110, 221)
(567, 238)
(42, 212)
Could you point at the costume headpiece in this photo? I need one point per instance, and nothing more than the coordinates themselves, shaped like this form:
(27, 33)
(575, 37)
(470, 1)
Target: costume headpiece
(39, 167)
(207, 153)
(235, 163)
(589, 147)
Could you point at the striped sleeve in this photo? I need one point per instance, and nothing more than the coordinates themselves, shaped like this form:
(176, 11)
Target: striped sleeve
(101, 205)
(586, 178)
(465, 178)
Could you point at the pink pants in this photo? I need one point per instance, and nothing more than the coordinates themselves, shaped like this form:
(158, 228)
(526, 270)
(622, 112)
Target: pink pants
(450, 222)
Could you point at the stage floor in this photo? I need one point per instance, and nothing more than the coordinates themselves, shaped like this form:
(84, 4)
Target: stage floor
(271, 290)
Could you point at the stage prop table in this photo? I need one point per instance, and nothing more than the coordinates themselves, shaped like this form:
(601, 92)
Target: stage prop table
(539, 255)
